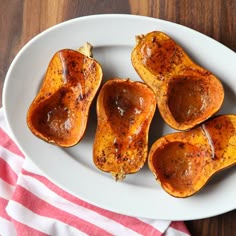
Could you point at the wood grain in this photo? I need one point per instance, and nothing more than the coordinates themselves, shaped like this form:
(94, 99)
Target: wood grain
(21, 20)
(213, 18)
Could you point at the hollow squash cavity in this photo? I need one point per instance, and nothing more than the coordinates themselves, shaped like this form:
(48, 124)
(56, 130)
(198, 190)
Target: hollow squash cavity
(180, 165)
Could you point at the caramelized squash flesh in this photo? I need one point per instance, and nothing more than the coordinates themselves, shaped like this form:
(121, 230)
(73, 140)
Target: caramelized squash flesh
(183, 162)
(186, 93)
(124, 109)
(59, 112)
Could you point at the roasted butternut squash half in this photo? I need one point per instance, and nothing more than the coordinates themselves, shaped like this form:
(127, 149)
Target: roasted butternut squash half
(186, 93)
(125, 110)
(183, 162)
(59, 112)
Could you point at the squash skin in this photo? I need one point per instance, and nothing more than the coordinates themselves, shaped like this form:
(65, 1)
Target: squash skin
(186, 93)
(59, 112)
(125, 110)
(183, 162)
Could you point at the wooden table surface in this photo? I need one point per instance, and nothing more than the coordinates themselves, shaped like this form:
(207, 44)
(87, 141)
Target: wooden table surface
(21, 20)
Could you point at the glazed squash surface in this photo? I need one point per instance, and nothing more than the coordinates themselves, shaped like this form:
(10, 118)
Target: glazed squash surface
(183, 162)
(59, 112)
(124, 109)
(186, 93)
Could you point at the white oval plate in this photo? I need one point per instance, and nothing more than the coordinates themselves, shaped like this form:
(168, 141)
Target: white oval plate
(113, 37)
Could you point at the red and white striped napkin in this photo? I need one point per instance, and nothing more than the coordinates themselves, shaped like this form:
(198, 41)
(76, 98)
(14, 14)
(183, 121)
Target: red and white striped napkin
(30, 204)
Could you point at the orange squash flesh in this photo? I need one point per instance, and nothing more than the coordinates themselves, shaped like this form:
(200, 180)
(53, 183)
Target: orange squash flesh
(59, 112)
(124, 109)
(186, 93)
(183, 162)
